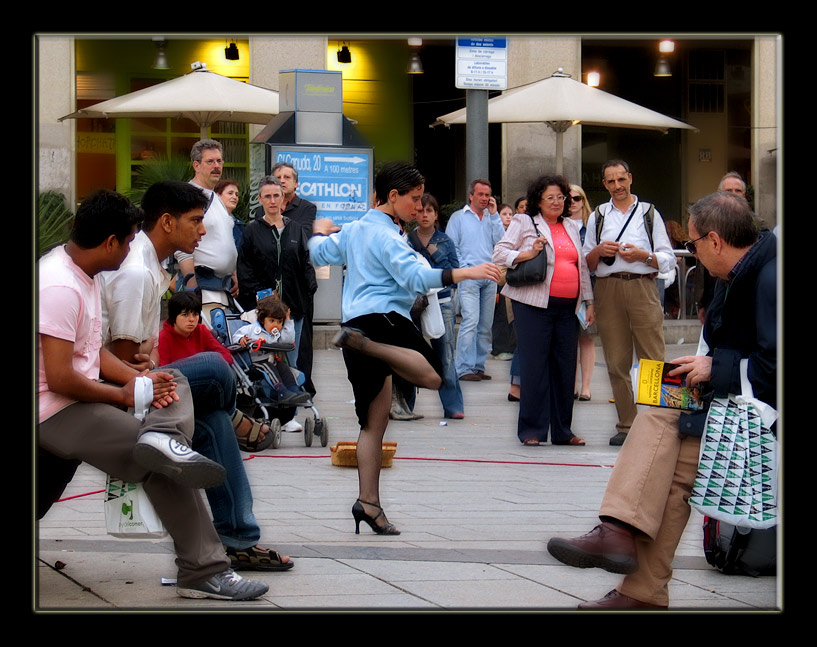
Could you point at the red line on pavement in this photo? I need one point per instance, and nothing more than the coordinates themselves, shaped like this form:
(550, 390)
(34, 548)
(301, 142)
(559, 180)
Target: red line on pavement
(401, 458)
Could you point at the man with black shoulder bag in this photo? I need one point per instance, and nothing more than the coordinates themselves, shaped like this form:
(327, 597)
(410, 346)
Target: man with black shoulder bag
(627, 246)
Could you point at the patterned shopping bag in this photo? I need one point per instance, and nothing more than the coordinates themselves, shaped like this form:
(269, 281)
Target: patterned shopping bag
(737, 470)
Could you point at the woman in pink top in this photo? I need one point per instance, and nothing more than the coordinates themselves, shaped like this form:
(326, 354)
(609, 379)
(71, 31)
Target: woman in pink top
(545, 314)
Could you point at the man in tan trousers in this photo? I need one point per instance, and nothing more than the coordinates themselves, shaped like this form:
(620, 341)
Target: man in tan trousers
(626, 257)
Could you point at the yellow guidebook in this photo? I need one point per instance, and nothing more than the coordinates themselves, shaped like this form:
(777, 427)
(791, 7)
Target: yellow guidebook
(652, 386)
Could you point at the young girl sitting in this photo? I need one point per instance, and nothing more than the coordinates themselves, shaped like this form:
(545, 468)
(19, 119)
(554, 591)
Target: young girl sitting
(274, 326)
(182, 335)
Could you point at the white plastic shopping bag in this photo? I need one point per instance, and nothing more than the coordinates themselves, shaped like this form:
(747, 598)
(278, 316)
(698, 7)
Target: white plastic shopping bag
(129, 514)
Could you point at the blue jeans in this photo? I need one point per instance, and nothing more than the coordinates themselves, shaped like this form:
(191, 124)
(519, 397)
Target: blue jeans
(212, 385)
(450, 392)
(515, 371)
(477, 298)
(292, 356)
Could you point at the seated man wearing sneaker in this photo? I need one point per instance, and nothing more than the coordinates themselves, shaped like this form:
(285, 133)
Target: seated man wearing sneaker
(645, 511)
(84, 392)
(131, 302)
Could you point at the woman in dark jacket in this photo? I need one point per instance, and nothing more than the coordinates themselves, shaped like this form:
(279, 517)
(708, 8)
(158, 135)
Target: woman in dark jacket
(274, 256)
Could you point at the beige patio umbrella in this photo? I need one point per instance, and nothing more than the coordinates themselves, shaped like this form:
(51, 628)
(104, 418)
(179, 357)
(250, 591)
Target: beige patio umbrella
(562, 102)
(200, 95)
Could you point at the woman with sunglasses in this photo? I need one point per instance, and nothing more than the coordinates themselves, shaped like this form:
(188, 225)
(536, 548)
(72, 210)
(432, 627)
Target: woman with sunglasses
(547, 329)
(580, 210)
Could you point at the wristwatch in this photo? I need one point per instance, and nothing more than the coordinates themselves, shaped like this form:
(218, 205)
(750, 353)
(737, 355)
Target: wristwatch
(648, 260)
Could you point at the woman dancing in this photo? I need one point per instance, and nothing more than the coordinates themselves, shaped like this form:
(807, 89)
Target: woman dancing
(383, 278)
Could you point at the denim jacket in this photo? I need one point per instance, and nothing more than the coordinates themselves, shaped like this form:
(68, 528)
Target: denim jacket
(444, 258)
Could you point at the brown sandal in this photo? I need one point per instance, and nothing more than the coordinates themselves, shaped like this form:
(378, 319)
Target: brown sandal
(257, 558)
(252, 441)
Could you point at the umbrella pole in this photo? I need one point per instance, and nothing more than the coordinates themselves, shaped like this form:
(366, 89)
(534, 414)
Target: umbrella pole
(559, 127)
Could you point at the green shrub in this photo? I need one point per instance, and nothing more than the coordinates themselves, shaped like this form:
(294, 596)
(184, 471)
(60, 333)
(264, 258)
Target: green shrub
(177, 168)
(53, 221)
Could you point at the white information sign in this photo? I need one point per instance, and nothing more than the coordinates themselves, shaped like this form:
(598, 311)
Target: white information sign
(482, 63)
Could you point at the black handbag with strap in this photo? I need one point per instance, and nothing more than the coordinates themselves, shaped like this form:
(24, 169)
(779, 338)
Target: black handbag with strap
(531, 271)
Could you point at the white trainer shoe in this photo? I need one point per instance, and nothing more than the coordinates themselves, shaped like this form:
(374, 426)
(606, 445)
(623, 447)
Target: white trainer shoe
(160, 453)
(227, 585)
(293, 426)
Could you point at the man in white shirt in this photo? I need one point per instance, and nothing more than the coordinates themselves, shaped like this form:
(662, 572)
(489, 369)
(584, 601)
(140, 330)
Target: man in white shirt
(212, 265)
(131, 302)
(626, 258)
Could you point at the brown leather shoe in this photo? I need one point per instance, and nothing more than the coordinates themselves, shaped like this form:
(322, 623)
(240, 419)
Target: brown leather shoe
(614, 601)
(470, 377)
(482, 375)
(606, 546)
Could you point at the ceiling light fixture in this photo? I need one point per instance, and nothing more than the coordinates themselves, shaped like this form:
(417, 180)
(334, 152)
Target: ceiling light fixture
(344, 55)
(160, 60)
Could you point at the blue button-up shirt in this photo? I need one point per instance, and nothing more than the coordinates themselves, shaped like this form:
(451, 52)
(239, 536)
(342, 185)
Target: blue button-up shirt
(383, 274)
(474, 237)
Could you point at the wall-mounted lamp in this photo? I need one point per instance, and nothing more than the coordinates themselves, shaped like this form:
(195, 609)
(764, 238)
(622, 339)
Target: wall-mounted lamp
(344, 55)
(662, 67)
(231, 52)
(160, 60)
(415, 65)
(593, 79)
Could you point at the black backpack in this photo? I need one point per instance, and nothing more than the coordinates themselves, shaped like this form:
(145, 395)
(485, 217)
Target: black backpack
(740, 552)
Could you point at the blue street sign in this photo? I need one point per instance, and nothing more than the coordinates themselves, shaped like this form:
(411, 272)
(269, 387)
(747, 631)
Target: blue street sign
(337, 180)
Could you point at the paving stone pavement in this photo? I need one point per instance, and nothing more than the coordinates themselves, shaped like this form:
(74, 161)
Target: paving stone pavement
(475, 508)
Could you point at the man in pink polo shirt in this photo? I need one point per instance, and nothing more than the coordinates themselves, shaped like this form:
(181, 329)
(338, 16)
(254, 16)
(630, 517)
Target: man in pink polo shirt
(84, 393)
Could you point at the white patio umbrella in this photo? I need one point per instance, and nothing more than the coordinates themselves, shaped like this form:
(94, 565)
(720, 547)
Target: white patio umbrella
(562, 102)
(201, 95)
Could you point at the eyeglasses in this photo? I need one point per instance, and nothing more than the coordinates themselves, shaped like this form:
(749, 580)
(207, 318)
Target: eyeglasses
(690, 244)
(216, 162)
(554, 198)
(576, 198)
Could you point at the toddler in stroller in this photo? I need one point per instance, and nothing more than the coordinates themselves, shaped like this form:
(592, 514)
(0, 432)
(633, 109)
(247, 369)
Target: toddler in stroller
(273, 326)
(267, 384)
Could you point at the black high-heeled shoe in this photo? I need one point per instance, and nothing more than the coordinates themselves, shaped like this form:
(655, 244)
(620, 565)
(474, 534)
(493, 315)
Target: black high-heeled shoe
(360, 515)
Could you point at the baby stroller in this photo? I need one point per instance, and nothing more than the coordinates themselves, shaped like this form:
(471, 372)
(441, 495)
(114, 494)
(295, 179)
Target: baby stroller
(255, 379)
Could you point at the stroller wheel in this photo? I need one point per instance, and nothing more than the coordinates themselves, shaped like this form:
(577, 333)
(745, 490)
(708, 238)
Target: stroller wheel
(275, 430)
(322, 430)
(309, 429)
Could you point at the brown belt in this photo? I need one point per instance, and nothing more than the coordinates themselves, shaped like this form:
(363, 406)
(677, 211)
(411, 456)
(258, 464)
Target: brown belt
(628, 276)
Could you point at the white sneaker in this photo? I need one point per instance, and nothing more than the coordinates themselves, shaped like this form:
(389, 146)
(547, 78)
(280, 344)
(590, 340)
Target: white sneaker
(160, 453)
(227, 585)
(293, 426)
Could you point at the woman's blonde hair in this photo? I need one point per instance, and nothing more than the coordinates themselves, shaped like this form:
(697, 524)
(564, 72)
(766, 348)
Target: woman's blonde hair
(586, 208)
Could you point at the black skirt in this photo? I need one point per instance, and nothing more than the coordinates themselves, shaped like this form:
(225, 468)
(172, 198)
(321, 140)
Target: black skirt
(368, 374)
